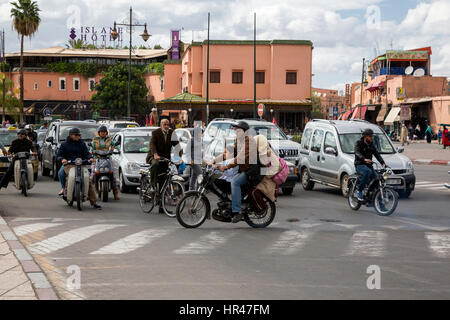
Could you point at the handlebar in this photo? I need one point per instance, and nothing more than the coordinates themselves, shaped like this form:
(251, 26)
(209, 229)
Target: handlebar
(79, 162)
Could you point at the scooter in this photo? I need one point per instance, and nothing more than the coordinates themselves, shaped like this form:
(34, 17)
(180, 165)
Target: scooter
(104, 174)
(447, 185)
(78, 183)
(23, 172)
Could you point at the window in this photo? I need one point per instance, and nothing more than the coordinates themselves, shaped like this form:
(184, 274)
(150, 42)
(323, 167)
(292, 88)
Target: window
(49, 83)
(62, 83)
(260, 76)
(35, 86)
(214, 76)
(91, 84)
(291, 77)
(237, 77)
(330, 141)
(306, 138)
(162, 83)
(76, 84)
(316, 142)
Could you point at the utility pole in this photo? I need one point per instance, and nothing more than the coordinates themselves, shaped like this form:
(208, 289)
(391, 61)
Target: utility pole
(207, 77)
(3, 60)
(362, 81)
(254, 66)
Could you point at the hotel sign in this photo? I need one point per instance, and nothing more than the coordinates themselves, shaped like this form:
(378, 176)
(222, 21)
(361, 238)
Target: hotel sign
(92, 34)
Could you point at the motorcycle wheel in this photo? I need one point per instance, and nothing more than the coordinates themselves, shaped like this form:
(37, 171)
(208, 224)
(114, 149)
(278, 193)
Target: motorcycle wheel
(263, 219)
(78, 196)
(24, 184)
(353, 201)
(146, 201)
(388, 206)
(187, 215)
(171, 195)
(105, 191)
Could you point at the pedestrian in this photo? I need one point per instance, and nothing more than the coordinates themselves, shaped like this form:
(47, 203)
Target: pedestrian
(404, 135)
(428, 133)
(411, 132)
(446, 137)
(192, 156)
(4, 124)
(418, 132)
(439, 135)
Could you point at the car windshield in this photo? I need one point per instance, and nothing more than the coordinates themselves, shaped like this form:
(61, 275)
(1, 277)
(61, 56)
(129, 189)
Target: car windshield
(272, 132)
(7, 138)
(380, 141)
(136, 144)
(87, 132)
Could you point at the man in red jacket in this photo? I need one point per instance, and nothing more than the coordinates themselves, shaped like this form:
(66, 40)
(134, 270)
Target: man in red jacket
(446, 137)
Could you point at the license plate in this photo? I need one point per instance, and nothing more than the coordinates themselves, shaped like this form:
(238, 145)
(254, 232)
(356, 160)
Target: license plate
(394, 181)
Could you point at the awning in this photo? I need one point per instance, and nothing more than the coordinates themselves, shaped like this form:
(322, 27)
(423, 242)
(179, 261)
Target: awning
(391, 118)
(347, 114)
(381, 114)
(359, 113)
(375, 85)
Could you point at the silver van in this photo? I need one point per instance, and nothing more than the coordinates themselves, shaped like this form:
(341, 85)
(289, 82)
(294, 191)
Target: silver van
(327, 155)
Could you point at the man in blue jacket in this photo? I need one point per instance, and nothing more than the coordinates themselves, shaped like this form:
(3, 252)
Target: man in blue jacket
(72, 149)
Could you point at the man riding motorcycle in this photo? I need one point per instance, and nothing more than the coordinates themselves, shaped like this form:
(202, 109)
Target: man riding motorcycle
(72, 149)
(103, 143)
(160, 146)
(31, 134)
(22, 144)
(364, 151)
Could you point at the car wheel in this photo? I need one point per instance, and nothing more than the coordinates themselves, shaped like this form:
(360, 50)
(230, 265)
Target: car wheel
(122, 186)
(344, 185)
(306, 180)
(55, 171)
(45, 171)
(287, 191)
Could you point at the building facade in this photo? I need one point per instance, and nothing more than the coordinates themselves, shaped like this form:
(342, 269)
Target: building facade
(331, 102)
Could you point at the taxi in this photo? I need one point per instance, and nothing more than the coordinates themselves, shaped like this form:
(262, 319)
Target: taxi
(7, 136)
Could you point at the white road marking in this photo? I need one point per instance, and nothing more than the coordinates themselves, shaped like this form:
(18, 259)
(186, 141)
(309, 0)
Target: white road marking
(69, 238)
(132, 242)
(367, 243)
(309, 225)
(347, 226)
(205, 244)
(439, 243)
(414, 222)
(289, 242)
(30, 228)
(392, 227)
(428, 186)
(29, 219)
(423, 182)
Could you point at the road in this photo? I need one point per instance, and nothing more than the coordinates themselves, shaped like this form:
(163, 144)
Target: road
(317, 248)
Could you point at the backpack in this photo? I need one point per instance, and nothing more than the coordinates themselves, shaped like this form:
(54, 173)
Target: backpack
(257, 199)
(282, 175)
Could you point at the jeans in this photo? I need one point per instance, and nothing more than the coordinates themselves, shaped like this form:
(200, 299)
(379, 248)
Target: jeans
(367, 175)
(196, 170)
(62, 177)
(236, 195)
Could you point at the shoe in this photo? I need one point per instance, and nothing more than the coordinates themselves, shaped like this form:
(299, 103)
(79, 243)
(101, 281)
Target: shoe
(96, 206)
(161, 210)
(64, 197)
(236, 217)
(359, 196)
(116, 194)
(61, 192)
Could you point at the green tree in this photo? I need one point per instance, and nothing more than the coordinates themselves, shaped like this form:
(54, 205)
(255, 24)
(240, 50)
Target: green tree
(12, 104)
(112, 91)
(26, 20)
(316, 112)
(157, 46)
(76, 44)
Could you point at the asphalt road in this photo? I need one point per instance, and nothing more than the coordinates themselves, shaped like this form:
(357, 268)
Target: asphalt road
(317, 248)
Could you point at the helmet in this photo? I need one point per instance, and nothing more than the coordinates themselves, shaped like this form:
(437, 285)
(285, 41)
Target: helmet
(367, 132)
(102, 129)
(74, 131)
(242, 125)
(27, 127)
(21, 131)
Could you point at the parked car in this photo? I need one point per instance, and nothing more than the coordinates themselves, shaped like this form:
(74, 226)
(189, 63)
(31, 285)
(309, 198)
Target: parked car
(129, 156)
(6, 137)
(40, 141)
(327, 155)
(58, 133)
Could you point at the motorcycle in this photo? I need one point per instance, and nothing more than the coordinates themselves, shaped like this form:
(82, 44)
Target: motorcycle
(447, 185)
(78, 182)
(376, 194)
(169, 193)
(23, 172)
(104, 174)
(194, 208)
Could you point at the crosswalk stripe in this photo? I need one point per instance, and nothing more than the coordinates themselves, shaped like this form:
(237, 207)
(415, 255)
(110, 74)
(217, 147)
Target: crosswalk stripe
(430, 185)
(205, 244)
(132, 242)
(69, 238)
(289, 242)
(423, 182)
(30, 228)
(367, 243)
(439, 243)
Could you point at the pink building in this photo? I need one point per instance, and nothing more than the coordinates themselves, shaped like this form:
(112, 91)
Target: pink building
(329, 99)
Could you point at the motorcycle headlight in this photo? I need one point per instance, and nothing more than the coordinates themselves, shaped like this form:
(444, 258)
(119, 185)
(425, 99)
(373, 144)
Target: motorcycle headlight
(78, 161)
(133, 168)
(200, 179)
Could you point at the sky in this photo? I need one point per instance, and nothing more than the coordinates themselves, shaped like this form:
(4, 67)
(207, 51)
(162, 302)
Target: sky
(342, 31)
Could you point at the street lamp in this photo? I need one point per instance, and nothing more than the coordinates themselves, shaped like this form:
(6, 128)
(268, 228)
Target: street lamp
(189, 117)
(145, 36)
(271, 114)
(231, 110)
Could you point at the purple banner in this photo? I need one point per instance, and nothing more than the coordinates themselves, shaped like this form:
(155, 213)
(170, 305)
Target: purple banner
(175, 36)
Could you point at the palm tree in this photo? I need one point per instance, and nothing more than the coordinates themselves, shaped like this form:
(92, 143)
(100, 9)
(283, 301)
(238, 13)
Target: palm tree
(76, 44)
(25, 14)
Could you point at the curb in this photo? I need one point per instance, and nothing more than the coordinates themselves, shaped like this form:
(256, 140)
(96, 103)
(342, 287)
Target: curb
(431, 162)
(40, 283)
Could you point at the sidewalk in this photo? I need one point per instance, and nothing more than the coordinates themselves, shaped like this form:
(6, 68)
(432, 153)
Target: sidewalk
(20, 277)
(426, 153)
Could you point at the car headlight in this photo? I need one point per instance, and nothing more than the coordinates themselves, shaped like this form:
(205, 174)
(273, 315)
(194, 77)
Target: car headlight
(409, 167)
(291, 170)
(133, 168)
(200, 179)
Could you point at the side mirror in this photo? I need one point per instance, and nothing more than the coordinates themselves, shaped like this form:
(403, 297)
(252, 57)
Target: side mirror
(49, 139)
(400, 149)
(117, 143)
(330, 150)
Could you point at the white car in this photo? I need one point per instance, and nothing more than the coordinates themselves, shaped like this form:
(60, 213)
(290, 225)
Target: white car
(119, 124)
